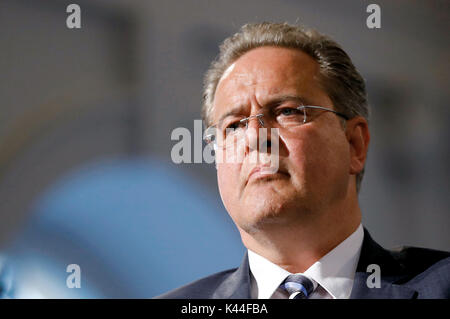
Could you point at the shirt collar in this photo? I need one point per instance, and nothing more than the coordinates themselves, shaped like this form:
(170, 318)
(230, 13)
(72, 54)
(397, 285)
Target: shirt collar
(268, 276)
(334, 272)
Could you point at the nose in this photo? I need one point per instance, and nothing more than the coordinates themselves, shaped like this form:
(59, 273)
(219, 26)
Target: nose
(257, 135)
(259, 120)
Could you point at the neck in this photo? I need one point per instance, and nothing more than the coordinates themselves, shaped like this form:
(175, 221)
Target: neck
(298, 245)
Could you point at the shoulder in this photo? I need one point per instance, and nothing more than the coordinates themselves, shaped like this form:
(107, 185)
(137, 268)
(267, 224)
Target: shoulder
(418, 259)
(402, 260)
(200, 289)
(405, 272)
(426, 270)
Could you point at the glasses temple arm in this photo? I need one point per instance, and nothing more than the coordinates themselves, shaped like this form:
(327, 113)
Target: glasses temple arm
(326, 109)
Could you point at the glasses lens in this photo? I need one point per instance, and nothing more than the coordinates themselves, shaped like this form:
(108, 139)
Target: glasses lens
(232, 137)
(288, 117)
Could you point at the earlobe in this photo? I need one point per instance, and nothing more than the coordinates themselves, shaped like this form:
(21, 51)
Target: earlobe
(358, 136)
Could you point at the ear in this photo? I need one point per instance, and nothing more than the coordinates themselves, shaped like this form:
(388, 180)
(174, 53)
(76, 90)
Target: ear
(358, 136)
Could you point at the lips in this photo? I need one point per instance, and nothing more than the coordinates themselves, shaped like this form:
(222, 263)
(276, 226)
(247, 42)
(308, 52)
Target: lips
(264, 172)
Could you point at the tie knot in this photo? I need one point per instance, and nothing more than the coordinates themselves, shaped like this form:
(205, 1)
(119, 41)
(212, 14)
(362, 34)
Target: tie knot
(298, 286)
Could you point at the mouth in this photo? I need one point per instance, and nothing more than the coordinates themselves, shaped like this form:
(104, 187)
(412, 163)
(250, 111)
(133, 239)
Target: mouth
(259, 173)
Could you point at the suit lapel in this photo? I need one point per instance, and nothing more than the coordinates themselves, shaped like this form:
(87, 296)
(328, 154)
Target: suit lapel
(391, 271)
(237, 285)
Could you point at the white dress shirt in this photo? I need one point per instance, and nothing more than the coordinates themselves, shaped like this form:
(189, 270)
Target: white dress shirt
(332, 275)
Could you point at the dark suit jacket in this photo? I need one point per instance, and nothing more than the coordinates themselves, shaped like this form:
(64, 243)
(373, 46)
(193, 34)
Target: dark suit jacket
(405, 273)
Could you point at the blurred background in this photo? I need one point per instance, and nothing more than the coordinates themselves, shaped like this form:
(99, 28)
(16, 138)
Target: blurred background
(86, 116)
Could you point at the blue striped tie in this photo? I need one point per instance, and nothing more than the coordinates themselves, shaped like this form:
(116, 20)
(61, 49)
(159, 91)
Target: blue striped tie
(298, 286)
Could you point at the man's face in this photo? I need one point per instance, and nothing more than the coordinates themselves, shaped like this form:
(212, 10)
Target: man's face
(314, 158)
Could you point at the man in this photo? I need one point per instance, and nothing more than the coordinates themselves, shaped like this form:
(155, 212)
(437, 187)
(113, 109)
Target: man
(301, 223)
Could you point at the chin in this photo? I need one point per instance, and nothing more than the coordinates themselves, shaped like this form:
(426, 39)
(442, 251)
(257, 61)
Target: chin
(281, 209)
(263, 215)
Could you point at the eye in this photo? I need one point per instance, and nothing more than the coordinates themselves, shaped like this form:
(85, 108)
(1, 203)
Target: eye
(287, 111)
(234, 125)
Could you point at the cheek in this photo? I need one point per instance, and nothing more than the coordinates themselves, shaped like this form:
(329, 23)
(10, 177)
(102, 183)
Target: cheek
(317, 158)
(297, 158)
(336, 154)
(228, 182)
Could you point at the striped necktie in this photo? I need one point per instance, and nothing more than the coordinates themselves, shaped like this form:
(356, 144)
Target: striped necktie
(298, 286)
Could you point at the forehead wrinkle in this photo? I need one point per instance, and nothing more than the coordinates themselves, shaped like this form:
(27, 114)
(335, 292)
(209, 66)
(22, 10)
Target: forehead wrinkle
(249, 81)
(249, 90)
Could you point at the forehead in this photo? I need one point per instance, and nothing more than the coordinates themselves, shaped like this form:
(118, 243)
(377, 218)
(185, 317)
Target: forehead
(264, 72)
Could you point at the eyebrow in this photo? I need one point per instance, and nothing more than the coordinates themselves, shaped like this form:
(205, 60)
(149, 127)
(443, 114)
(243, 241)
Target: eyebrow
(288, 97)
(277, 99)
(234, 111)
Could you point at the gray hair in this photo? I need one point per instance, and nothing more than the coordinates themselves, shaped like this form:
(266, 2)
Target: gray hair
(337, 74)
